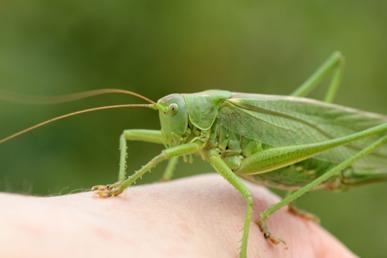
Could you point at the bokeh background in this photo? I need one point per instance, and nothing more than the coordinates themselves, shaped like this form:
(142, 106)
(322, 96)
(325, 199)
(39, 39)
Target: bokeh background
(160, 47)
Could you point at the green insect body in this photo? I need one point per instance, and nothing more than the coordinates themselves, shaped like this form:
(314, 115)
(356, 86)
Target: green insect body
(241, 125)
(286, 142)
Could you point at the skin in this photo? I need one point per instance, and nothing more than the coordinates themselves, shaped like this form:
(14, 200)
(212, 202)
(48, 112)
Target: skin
(200, 216)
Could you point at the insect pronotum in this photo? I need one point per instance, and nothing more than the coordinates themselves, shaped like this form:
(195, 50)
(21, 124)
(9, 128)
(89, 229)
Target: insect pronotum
(286, 142)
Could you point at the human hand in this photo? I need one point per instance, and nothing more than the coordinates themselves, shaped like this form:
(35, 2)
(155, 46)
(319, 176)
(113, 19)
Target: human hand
(189, 218)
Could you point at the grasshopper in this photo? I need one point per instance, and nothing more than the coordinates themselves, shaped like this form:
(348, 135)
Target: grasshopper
(292, 142)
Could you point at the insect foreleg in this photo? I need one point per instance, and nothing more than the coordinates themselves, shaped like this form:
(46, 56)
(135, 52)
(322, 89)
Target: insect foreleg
(152, 136)
(117, 188)
(335, 171)
(334, 63)
(221, 167)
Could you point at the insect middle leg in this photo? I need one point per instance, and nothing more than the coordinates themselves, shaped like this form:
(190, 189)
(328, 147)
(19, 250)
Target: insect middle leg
(335, 64)
(335, 171)
(221, 167)
(143, 135)
(117, 188)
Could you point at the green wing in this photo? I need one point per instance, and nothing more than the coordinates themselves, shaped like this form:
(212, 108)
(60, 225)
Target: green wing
(281, 121)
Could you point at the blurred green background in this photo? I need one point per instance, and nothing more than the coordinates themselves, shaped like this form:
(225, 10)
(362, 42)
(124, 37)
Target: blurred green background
(161, 47)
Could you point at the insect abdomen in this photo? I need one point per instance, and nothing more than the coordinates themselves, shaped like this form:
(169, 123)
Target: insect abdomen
(295, 176)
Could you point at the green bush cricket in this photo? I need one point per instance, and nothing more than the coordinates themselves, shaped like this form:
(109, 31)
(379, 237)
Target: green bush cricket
(287, 142)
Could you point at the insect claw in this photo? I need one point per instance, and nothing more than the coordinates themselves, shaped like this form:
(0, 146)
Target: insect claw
(103, 194)
(276, 241)
(268, 236)
(105, 191)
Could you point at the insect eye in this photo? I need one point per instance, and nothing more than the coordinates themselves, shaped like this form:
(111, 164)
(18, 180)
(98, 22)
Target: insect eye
(173, 108)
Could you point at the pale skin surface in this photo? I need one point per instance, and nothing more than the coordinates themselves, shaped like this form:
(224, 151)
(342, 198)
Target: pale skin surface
(194, 217)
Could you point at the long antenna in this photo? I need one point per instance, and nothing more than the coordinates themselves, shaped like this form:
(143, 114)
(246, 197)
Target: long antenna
(152, 106)
(12, 97)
